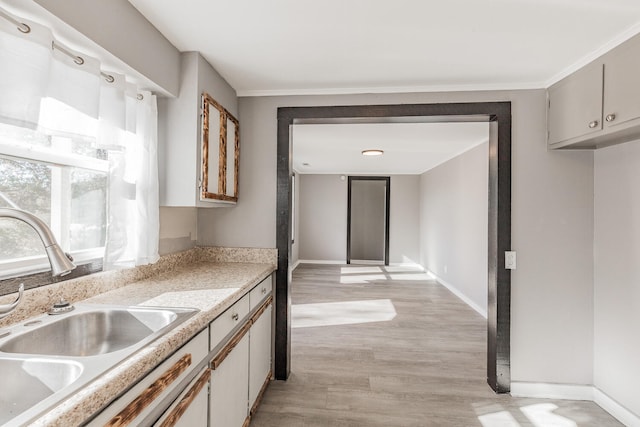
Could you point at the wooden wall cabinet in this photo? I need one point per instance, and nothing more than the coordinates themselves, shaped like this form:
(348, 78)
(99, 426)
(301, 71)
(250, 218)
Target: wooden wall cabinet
(597, 105)
(220, 152)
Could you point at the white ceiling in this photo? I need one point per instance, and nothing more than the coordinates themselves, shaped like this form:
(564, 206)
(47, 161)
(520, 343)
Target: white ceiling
(409, 148)
(355, 46)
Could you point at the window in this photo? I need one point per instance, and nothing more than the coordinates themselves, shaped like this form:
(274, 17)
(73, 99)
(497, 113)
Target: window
(63, 180)
(78, 148)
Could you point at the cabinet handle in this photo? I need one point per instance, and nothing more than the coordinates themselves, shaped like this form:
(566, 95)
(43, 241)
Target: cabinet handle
(144, 399)
(235, 316)
(188, 398)
(226, 350)
(593, 124)
(610, 117)
(264, 291)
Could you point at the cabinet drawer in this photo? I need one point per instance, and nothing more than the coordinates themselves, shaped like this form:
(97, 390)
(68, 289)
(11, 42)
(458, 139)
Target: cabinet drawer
(260, 292)
(142, 398)
(191, 407)
(227, 321)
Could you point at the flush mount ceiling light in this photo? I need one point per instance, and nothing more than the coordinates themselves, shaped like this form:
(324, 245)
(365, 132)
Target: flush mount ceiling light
(372, 152)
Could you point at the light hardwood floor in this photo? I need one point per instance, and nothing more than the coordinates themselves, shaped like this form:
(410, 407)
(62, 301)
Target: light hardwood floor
(386, 346)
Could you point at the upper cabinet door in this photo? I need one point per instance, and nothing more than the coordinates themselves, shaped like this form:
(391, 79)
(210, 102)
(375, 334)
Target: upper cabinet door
(575, 104)
(622, 84)
(220, 152)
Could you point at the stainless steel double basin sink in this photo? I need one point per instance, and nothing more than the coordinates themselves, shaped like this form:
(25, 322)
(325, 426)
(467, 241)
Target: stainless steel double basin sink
(48, 358)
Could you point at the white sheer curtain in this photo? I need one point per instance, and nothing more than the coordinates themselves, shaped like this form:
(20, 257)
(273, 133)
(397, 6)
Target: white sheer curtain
(50, 90)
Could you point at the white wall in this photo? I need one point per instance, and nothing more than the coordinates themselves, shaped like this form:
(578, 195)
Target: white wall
(454, 223)
(617, 273)
(323, 218)
(552, 227)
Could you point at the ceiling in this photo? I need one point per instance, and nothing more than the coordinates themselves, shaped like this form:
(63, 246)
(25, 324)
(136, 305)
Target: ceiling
(366, 46)
(409, 148)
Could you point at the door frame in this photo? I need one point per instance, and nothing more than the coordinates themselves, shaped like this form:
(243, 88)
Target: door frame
(498, 114)
(387, 210)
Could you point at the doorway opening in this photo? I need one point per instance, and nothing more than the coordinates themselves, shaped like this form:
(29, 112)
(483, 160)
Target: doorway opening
(498, 115)
(368, 207)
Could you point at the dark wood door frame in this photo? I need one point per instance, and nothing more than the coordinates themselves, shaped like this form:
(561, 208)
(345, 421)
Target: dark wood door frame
(387, 210)
(498, 114)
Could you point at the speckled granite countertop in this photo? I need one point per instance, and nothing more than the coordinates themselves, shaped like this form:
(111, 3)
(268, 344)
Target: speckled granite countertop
(208, 285)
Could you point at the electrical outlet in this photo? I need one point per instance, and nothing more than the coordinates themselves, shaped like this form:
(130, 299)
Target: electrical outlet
(510, 260)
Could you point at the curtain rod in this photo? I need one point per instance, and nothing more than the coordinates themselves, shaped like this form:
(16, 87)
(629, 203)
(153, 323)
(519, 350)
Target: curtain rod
(79, 60)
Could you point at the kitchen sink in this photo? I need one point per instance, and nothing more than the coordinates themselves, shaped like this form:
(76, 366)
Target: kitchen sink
(48, 358)
(26, 382)
(89, 333)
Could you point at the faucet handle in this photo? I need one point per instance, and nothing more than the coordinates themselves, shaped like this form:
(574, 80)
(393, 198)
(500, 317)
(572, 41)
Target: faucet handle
(8, 308)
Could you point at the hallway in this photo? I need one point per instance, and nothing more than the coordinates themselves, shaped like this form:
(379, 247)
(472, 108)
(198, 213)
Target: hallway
(387, 346)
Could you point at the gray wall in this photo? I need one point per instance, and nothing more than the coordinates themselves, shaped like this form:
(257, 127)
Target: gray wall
(368, 207)
(323, 218)
(404, 220)
(120, 29)
(295, 246)
(617, 273)
(552, 225)
(454, 223)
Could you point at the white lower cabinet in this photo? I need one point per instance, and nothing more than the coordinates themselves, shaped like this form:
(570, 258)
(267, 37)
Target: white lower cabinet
(136, 405)
(190, 408)
(259, 355)
(228, 405)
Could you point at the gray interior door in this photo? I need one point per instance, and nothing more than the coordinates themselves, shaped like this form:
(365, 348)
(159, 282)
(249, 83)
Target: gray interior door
(368, 220)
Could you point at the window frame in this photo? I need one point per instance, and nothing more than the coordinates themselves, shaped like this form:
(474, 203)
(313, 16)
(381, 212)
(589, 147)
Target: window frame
(60, 217)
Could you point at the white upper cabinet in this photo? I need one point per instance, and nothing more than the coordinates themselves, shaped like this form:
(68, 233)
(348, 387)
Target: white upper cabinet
(575, 105)
(598, 105)
(622, 84)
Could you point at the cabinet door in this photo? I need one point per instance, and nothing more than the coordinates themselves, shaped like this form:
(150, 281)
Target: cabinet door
(575, 105)
(622, 84)
(228, 400)
(259, 354)
(190, 408)
(148, 395)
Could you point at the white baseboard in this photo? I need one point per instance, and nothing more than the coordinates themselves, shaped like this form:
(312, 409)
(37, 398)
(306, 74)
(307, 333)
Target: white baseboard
(322, 261)
(552, 391)
(457, 293)
(623, 415)
(576, 392)
(295, 265)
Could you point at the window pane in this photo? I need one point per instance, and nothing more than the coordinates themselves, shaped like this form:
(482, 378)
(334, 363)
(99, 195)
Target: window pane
(27, 185)
(88, 209)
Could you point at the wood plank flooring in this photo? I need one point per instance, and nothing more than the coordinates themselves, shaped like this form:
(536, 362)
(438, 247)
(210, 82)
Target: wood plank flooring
(386, 346)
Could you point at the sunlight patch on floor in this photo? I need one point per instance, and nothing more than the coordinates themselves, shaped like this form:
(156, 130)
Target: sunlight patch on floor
(541, 415)
(342, 313)
(498, 419)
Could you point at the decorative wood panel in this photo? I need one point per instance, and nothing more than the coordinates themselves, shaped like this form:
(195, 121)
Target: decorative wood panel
(227, 349)
(186, 401)
(135, 408)
(226, 152)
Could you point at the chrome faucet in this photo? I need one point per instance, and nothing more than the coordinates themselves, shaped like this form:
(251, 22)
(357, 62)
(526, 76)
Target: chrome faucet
(60, 262)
